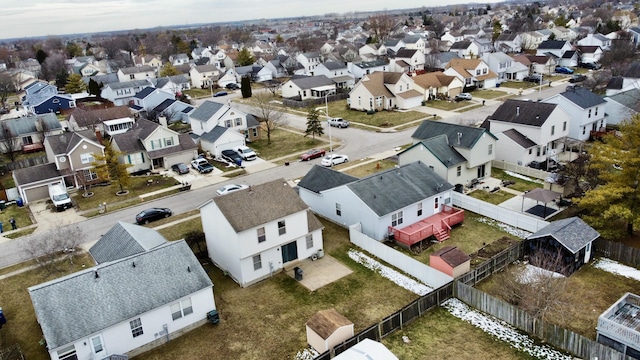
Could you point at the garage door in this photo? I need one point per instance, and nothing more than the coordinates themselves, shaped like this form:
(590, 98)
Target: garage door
(37, 193)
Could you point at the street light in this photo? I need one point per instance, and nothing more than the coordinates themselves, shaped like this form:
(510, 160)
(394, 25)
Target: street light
(326, 112)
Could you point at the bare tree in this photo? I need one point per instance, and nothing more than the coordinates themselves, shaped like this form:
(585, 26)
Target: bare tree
(9, 142)
(53, 249)
(269, 113)
(273, 86)
(381, 26)
(7, 87)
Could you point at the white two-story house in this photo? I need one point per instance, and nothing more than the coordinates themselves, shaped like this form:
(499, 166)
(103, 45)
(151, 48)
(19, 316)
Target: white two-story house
(505, 66)
(211, 114)
(136, 73)
(253, 233)
(586, 110)
(338, 72)
(384, 91)
(309, 61)
(121, 93)
(204, 76)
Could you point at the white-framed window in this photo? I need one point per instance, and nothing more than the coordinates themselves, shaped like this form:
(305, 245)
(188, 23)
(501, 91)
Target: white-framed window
(257, 262)
(282, 227)
(262, 236)
(89, 174)
(436, 203)
(478, 72)
(589, 113)
(419, 209)
(181, 308)
(588, 248)
(564, 126)
(68, 353)
(168, 141)
(228, 123)
(459, 170)
(136, 327)
(238, 121)
(553, 129)
(27, 140)
(584, 130)
(338, 209)
(396, 219)
(96, 344)
(484, 71)
(87, 158)
(490, 149)
(596, 111)
(156, 144)
(309, 241)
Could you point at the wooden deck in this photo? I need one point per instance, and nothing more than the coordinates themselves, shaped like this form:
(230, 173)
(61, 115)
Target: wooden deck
(438, 225)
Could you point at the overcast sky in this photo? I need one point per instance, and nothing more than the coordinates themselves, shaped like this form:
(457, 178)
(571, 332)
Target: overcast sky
(27, 18)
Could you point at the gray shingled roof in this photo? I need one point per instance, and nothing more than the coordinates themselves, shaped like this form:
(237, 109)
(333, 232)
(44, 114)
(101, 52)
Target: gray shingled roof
(206, 110)
(628, 98)
(308, 82)
(35, 173)
(186, 143)
(136, 69)
(334, 65)
(470, 135)
(394, 189)
(65, 142)
(583, 97)
(85, 118)
(573, 233)
(523, 112)
(461, 45)
(519, 138)
(28, 124)
(144, 92)
(321, 178)
(406, 53)
(123, 240)
(89, 301)
(440, 147)
(214, 134)
(129, 141)
(258, 205)
(129, 84)
(551, 44)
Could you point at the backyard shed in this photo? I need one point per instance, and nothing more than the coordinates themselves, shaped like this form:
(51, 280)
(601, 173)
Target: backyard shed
(563, 246)
(328, 328)
(451, 261)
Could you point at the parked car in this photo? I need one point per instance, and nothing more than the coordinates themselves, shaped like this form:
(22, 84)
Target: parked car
(339, 122)
(232, 86)
(220, 93)
(246, 153)
(231, 188)
(563, 70)
(312, 154)
(535, 78)
(202, 165)
(334, 159)
(463, 96)
(180, 168)
(577, 78)
(232, 156)
(152, 214)
(591, 65)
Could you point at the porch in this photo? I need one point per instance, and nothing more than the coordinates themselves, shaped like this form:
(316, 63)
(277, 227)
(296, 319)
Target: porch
(438, 225)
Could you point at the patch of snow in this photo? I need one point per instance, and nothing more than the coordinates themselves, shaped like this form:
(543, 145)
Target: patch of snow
(615, 267)
(502, 331)
(519, 176)
(306, 354)
(532, 273)
(512, 230)
(393, 275)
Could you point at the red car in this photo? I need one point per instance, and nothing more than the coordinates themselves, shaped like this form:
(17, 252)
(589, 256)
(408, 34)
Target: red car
(312, 154)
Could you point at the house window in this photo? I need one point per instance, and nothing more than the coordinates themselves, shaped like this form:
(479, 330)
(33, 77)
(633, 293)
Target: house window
(132, 76)
(68, 353)
(96, 344)
(379, 101)
(228, 123)
(168, 141)
(484, 71)
(478, 72)
(136, 327)
(596, 111)
(419, 209)
(262, 236)
(401, 88)
(238, 121)
(589, 113)
(553, 129)
(490, 149)
(156, 144)
(396, 219)
(257, 262)
(588, 248)
(309, 240)
(584, 130)
(181, 308)
(530, 151)
(538, 151)
(282, 227)
(87, 158)
(459, 170)
(89, 174)
(27, 140)
(435, 203)
(564, 126)
(338, 209)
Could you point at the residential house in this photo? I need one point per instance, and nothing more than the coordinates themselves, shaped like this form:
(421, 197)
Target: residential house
(436, 85)
(255, 232)
(451, 37)
(622, 106)
(473, 33)
(528, 131)
(143, 72)
(383, 203)
(338, 72)
(70, 158)
(309, 61)
(124, 240)
(570, 58)
(278, 70)
(553, 47)
(629, 80)
(149, 146)
(174, 84)
(308, 87)
(27, 133)
(457, 153)
(565, 244)
(148, 98)
(634, 32)
(562, 33)
(372, 51)
(328, 328)
(409, 60)
(586, 109)
(204, 76)
(505, 66)
(359, 70)
(589, 54)
(211, 114)
(92, 119)
(31, 65)
(155, 61)
(255, 72)
(394, 45)
(415, 42)
(618, 326)
(510, 43)
(465, 49)
(543, 64)
(171, 110)
(384, 91)
(596, 40)
(473, 72)
(122, 93)
(220, 138)
(484, 46)
(178, 59)
(532, 39)
(41, 98)
(177, 296)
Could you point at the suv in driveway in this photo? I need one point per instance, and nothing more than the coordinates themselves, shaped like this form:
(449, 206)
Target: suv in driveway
(463, 96)
(534, 78)
(247, 153)
(339, 122)
(232, 157)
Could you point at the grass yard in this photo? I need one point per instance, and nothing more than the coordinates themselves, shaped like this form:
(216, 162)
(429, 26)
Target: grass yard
(492, 198)
(440, 335)
(22, 215)
(469, 108)
(489, 94)
(447, 105)
(371, 168)
(590, 292)
(379, 119)
(520, 184)
(285, 143)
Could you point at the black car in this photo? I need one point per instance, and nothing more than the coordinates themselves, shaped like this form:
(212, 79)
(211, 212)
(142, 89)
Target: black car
(220, 93)
(232, 157)
(577, 78)
(590, 66)
(180, 168)
(152, 214)
(232, 86)
(533, 78)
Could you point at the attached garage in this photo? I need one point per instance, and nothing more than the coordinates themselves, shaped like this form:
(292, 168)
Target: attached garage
(221, 138)
(33, 182)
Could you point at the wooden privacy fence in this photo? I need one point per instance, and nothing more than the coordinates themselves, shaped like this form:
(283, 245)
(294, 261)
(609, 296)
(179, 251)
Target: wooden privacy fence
(294, 102)
(555, 335)
(25, 163)
(495, 264)
(617, 251)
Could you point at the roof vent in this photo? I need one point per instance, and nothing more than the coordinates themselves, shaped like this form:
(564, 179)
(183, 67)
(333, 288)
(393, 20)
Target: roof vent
(517, 110)
(459, 137)
(133, 264)
(96, 274)
(189, 268)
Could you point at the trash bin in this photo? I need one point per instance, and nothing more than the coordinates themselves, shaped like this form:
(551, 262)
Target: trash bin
(298, 273)
(3, 205)
(3, 320)
(19, 202)
(213, 316)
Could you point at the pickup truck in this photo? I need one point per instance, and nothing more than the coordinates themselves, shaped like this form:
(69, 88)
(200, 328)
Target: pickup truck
(202, 165)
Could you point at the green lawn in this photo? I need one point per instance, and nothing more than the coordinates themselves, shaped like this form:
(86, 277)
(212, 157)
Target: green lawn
(447, 105)
(492, 198)
(284, 143)
(379, 119)
(488, 94)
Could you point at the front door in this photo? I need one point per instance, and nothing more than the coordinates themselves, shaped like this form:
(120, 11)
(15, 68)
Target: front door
(289, 252)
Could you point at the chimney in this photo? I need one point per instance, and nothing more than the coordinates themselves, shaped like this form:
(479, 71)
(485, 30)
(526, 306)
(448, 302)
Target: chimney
(163, 121)
(517, 110)
(99, 136)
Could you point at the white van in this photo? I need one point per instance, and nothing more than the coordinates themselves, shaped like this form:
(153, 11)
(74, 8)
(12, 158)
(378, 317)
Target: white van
(59, 196)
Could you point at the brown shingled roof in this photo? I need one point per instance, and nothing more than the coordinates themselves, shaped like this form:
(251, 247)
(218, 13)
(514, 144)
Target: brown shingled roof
(452, 255)
(326, 322)
(433, 79)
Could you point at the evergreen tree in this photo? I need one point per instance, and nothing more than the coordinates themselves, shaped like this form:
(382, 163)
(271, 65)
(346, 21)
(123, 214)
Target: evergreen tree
(94, 88)
(168, 70)
(245, 87)
(75, 84)
(314, 125)
(245, 57)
